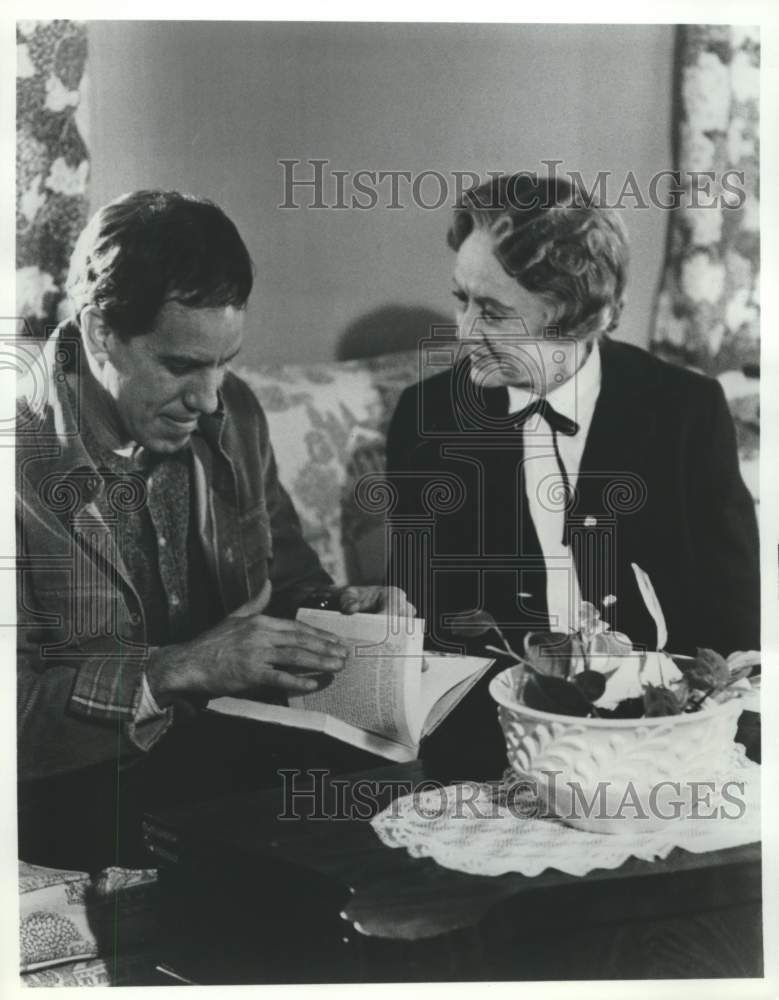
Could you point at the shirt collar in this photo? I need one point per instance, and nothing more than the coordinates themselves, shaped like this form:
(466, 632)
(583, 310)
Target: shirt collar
(575, 398)
(98, 414)
(50, 424)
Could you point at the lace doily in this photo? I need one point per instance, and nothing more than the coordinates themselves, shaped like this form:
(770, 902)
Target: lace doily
(491, 829)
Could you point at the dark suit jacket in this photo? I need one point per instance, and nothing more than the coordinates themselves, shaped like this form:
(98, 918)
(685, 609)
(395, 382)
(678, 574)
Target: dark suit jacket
(659, 485)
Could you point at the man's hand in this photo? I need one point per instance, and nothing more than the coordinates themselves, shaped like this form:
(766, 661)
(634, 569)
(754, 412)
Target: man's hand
(244, 653)
(391, 600)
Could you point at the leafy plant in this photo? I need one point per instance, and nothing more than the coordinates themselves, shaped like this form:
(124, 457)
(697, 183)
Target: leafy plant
(559, 672)
(711, 674)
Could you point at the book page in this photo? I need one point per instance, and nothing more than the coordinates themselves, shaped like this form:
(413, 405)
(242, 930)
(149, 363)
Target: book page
(446, 680)
(381, 676)
(387, 696)
(262, 711)
(299, 718)
(371, 742)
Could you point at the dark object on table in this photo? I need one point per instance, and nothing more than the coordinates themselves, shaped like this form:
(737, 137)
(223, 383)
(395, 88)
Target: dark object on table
(87, 819)
(748, 734)
(469, 743)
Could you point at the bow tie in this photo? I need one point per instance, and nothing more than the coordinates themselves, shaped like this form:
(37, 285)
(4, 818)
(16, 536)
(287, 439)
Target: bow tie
(559, 423)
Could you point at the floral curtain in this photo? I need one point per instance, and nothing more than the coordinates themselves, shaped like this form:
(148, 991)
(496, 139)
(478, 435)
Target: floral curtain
(708, 312)
(52, 163)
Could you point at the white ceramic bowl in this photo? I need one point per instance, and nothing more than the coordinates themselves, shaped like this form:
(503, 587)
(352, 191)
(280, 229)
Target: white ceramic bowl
(601, 774)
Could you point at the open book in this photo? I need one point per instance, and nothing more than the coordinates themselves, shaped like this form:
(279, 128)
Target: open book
(387, 698)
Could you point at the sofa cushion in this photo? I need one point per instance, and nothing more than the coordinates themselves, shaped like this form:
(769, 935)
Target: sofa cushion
(53, 925)
(328, 424)
(67, 916)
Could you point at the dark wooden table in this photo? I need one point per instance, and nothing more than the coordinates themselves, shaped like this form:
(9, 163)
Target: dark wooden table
(250, 896)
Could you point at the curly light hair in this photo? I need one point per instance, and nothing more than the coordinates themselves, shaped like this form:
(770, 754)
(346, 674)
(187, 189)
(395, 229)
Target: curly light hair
(553, 240)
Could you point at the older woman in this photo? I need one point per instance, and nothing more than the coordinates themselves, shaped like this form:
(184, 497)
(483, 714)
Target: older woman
(547, 458)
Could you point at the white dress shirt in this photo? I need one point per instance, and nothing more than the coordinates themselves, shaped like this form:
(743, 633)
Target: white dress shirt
(575, 399)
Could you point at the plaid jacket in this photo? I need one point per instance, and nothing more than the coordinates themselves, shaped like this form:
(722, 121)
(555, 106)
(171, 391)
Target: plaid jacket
(81, 632)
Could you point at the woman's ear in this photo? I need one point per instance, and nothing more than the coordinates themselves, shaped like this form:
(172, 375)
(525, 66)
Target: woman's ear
(95, 334)
(616, 313)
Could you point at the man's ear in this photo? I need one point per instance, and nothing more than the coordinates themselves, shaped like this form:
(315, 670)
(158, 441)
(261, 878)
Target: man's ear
(96, 334)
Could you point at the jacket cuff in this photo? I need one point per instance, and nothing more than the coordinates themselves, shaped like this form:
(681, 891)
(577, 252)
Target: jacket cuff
(107, 687)
(150, 722)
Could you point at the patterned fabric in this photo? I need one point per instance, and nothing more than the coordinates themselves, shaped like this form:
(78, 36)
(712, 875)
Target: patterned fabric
(328, 425)
(52, 163)
(151, 534)
(53, 925)
(119, 970)
(70, 917)
(708, 310)
(507, 827)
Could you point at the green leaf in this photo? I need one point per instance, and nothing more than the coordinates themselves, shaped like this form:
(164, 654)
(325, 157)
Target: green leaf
(628, 708)
(470, 624)
(652, 602)
(697, 675)
(716, 664)
(591, 683)
(708, 671)
(683, 691)
(553, 694)
(555, 654)
(660, 701)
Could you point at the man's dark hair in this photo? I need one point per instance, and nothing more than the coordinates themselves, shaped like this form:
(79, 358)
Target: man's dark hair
(151, 247)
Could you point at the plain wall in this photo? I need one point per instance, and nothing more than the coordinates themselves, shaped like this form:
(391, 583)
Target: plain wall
(211, 108)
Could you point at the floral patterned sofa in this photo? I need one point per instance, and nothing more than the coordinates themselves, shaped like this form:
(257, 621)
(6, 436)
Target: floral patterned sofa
(328, 423)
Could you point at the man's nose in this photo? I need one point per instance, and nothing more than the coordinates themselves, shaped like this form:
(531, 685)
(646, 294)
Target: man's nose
(469, 327)
(202, 395)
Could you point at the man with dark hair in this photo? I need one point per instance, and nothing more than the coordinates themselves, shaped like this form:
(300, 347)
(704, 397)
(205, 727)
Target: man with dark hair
(161, 562)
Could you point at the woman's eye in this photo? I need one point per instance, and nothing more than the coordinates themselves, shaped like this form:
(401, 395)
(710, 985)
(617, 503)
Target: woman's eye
(461, 297)
(491, 317)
